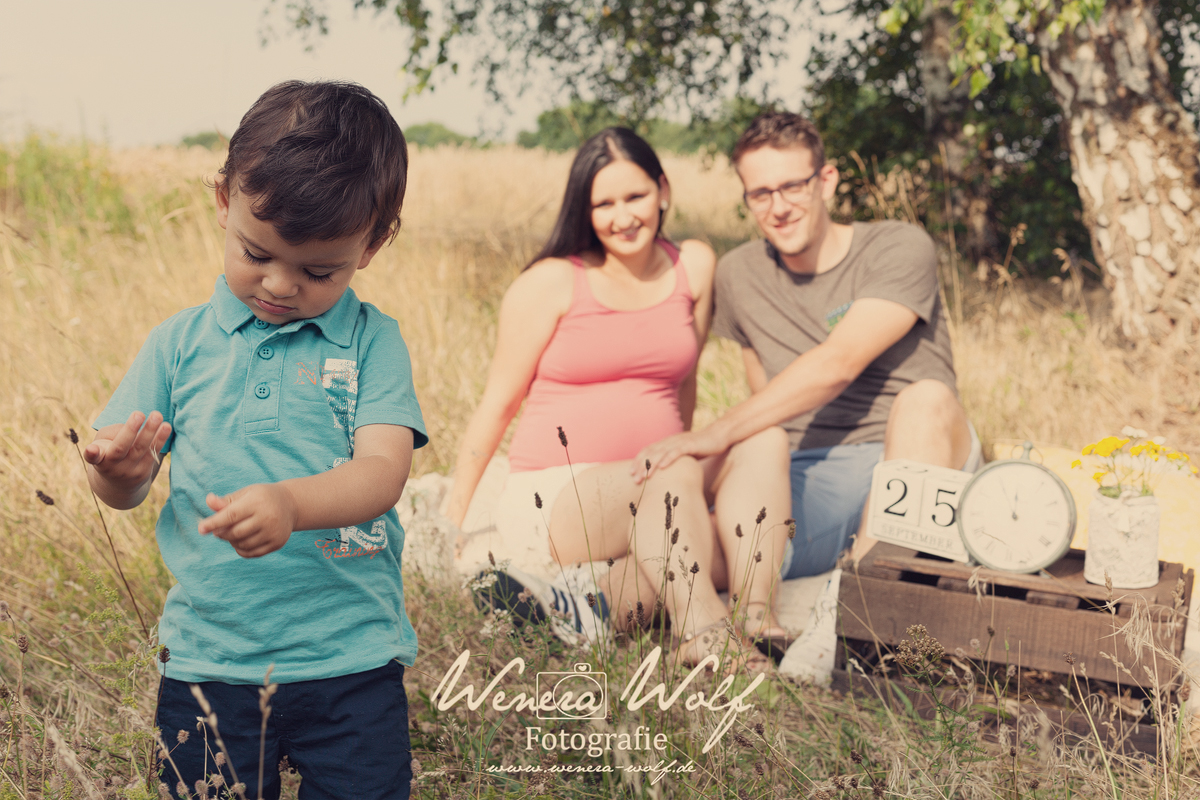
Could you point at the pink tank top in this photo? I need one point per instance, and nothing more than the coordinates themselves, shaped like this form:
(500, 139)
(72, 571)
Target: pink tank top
(609, 378)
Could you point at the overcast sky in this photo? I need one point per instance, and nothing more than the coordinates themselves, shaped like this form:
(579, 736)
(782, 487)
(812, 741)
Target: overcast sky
(134, 72)
(137, 72)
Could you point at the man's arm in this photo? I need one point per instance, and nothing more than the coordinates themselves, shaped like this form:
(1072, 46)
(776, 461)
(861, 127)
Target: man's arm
(813, 379)
(258, 519)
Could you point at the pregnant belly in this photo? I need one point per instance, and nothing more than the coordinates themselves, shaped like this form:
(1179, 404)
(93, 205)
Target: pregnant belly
(603, 422)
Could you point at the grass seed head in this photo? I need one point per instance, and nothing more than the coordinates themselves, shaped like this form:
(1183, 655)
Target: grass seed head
(632, 509)
(762, 514)
(73, 436)
(182, 736)
(164, 654)
(856, 757)
(737, 530)
(45, 498)
(562, 437)
(23, 643)
(537, 499)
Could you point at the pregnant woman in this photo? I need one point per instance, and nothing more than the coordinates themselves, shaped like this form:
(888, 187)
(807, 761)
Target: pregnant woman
(599, 336)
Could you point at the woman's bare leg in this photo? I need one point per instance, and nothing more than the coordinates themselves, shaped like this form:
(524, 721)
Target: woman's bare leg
(753, 476)
(626, 587)
(591, 521)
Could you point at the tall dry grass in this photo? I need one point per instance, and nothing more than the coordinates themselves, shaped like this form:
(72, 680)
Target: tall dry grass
(96, 248)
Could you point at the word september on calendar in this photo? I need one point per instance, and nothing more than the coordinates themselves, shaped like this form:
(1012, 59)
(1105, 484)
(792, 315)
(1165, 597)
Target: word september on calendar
(916, 505)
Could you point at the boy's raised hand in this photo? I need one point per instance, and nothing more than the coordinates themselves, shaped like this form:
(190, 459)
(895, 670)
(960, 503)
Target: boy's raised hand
(126, 456)
(256, 520)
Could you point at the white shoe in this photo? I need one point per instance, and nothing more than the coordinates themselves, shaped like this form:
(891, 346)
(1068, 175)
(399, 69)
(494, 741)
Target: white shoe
(576, 610)
(811, 656)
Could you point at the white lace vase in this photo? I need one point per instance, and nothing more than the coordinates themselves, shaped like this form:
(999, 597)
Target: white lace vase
(1122, 541)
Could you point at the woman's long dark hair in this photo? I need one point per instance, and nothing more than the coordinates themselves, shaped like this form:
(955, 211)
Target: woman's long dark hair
(573, 232)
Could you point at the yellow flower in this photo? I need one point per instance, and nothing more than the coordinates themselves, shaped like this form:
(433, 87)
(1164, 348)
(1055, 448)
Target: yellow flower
(1087, 449)
(1106, 446)
(1137, 449)
(1076, 464)
(1099, 477)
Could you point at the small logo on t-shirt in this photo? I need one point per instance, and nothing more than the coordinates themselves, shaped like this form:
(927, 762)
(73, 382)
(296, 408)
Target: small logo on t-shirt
(835, 316)
(364, 543)
(306, 373)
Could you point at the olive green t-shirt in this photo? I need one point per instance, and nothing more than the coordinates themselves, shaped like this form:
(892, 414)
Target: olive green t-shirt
(762, 305)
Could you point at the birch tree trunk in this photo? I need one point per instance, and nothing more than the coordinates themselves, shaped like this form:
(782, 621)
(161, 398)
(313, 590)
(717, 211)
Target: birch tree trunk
(1134, 155)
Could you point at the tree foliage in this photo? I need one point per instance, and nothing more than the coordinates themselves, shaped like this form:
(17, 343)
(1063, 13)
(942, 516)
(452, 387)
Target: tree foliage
(997, 35)
(633, 56)
(867, 97)
(567, 127)
(432, 134)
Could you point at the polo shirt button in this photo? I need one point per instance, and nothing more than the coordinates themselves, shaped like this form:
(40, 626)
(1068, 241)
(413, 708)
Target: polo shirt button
(261, 323)
(265, 352)
(262, 391)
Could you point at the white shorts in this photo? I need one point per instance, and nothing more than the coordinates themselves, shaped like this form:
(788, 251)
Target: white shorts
(520, 530)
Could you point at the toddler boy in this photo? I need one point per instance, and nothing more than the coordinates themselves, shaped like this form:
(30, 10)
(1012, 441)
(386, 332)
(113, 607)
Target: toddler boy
(288, 408)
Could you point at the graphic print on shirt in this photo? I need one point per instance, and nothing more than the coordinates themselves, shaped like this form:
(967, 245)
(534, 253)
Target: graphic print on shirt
(364, 543)
(835, 316)
(339, 376)
(306, 373)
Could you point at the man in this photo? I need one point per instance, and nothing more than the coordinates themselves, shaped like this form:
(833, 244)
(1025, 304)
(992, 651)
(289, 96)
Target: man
(844, 338)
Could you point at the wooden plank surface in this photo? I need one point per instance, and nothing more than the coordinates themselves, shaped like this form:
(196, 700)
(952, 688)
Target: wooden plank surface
(1037, 637)
(1064, 577)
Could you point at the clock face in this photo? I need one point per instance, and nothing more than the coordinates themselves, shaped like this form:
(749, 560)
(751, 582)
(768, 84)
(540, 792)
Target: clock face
(1016, 515)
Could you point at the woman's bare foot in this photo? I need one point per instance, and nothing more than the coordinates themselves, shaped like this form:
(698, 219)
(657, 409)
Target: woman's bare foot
(721, 640)
(758, 623)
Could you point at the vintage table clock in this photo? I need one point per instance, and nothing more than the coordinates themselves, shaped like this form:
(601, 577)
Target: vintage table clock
(1016, 515)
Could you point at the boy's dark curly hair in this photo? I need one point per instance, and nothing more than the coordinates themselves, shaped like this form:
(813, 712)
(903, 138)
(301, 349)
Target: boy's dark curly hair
(321, 160)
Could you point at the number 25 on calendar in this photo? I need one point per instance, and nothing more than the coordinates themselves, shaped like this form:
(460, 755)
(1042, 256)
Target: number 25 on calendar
(916, 505)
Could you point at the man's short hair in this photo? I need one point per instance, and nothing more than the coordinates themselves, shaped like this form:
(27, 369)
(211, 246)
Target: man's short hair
(321, 160)
(780, 130)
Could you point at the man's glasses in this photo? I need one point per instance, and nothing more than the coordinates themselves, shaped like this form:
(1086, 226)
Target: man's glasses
(794, 192)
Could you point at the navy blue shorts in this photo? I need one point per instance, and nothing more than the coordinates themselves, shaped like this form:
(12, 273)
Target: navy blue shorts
(347, 736)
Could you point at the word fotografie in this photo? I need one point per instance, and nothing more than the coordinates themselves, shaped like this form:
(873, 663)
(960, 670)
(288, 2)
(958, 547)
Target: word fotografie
(635, 695)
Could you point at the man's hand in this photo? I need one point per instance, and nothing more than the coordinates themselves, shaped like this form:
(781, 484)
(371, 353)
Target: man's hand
(665, 452)
(256, 520)
(126, 457)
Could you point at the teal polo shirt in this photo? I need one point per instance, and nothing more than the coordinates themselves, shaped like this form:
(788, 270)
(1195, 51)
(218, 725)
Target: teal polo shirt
(251, 402)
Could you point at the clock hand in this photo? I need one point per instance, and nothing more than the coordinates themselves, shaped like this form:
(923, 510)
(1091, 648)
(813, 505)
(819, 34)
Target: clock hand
(1011, 507)
(1016, 501)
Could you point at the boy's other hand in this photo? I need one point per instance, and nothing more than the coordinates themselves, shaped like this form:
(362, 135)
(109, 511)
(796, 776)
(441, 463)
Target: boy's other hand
(127, 455)
(256, 520)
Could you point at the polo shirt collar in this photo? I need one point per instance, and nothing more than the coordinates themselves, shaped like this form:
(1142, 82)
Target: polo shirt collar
(336, 324)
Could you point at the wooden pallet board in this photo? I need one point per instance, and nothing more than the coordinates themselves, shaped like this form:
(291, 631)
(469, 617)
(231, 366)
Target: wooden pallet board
(1038, 620)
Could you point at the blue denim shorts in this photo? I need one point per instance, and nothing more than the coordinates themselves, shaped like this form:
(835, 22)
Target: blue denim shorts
(347, 736)
(829, 489)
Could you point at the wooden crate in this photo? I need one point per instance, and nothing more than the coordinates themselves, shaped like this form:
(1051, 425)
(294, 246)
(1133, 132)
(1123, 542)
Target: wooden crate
(1037, 619)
